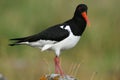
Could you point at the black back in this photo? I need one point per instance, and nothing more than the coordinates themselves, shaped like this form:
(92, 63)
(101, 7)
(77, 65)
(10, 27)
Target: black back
(54, 33)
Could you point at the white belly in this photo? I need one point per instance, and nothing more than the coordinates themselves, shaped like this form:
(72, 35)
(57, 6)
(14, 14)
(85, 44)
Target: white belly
(67, 43)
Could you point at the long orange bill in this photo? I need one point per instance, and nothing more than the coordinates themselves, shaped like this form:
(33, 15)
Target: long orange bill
(86, 18)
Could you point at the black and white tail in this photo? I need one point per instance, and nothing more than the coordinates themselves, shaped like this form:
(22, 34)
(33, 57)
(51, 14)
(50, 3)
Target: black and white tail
(17, 41)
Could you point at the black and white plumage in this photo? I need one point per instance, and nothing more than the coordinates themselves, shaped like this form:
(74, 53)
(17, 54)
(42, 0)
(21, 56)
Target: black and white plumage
(59, 37)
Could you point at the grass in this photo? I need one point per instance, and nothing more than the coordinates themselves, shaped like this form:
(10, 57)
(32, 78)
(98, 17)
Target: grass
(98, 50)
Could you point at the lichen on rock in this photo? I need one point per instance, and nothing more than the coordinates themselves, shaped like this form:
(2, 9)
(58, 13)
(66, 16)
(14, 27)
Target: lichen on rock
(56, 77)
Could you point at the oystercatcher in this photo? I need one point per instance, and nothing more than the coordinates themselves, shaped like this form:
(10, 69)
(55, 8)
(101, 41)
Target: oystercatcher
(59, 37)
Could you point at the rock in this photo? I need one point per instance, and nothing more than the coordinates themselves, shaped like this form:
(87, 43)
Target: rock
(2, 77)
(56, 77)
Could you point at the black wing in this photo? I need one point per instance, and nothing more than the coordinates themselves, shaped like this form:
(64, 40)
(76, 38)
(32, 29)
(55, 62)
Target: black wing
(54, 33)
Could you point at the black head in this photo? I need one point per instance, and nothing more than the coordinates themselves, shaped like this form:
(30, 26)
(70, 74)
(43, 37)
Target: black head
(82, 8)
(79, 9)
(81, 12)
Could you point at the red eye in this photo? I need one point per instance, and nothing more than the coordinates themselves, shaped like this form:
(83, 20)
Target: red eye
(80, 7)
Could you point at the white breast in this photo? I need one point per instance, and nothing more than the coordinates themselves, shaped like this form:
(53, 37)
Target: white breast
(68, 42)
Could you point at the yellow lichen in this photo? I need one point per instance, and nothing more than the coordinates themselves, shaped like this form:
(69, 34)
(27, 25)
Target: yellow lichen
(43, 77)
(56, 78)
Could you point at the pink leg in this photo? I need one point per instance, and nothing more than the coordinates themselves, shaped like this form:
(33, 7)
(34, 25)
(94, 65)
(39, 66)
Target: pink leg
(58, 66)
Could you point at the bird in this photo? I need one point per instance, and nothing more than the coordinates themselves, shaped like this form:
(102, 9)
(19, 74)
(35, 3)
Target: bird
(59, 37)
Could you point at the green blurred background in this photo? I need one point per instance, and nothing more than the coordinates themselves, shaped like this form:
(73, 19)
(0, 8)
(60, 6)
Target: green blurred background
(97, 52)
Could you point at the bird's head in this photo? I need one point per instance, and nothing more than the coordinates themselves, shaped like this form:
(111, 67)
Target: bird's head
(81, 12)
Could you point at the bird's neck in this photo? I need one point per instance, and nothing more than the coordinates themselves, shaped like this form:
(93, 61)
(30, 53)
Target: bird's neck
(79, 19)
(79, 26)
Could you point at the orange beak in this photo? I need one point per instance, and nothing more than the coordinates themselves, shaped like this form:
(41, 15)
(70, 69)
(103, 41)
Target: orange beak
(86, 18)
